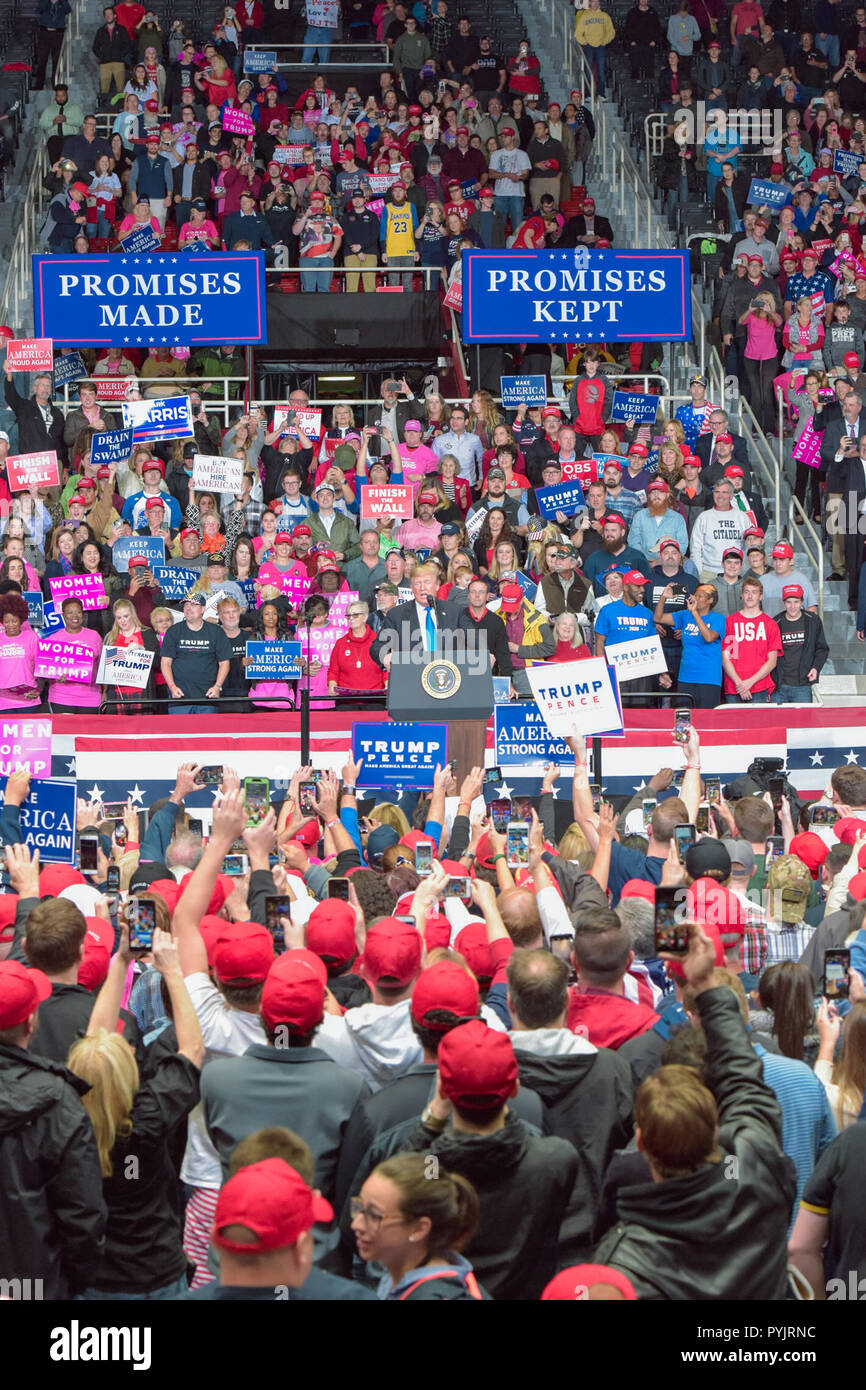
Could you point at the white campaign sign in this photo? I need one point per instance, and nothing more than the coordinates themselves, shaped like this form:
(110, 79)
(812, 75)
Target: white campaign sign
(575, 697)
(217, 473)
(641, 657)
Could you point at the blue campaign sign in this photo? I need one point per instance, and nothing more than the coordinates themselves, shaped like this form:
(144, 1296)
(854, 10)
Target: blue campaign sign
(138, 301)
(847, 162)
(522, 390)
(764, 194)
(605, 459)
(48, 820)
(501, 690)
(522, 736)
(174, 581)
(260, 60)
(528, 585)
(562, 497)
(141, 239)
(112, 446)
(155, 421)
(151, 546)
(590, 296)
(403, 755)
(273, 661)
(51, 621)
(249, 590)
(35, 608)
(634, 405)
(69, 366)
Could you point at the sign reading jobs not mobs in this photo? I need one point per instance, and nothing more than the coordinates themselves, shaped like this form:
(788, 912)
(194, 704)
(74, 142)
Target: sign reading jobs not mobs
(142, 301)
(601, 296)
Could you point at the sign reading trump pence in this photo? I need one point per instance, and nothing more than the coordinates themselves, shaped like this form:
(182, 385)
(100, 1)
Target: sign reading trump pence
(576, 697)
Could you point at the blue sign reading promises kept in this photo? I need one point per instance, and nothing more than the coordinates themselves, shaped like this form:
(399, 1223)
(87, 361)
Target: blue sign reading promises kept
(562, 497)
(403, 755)
(597, 296)
(273, 661)
(147, 300)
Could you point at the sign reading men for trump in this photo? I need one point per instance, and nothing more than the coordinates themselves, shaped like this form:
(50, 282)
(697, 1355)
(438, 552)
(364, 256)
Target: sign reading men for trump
(25, 746)
(595, 296)
(399, 754)
(147, 300)
(217, 473)
(576, 696)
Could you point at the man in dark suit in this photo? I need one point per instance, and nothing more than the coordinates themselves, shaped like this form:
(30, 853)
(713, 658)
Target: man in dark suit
(190, 183)
(719, 424)
(40, 424)
(417, 624)
(839, 455)
(723, 455)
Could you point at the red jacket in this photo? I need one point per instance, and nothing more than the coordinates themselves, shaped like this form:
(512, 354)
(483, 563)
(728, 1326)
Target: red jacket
(351, 665)
(608, 1020)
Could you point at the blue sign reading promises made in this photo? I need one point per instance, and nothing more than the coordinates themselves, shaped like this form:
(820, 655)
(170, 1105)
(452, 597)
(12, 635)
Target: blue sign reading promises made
(590, 296)
(634, 405)
(562, 497)
(274, 661)
(764, 194)
(847, 162)
(523, 390)
(139, 301)
(48, 820)
(402, 755)
(112, 446)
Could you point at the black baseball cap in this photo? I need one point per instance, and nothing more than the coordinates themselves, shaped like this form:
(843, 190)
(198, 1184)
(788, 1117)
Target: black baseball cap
(708, 858)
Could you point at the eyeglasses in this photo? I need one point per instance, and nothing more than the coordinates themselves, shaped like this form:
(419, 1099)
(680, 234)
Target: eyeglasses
(372, 1219)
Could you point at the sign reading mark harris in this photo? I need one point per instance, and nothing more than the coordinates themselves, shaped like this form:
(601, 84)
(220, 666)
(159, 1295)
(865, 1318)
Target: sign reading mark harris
(605, 296)
(141, 300)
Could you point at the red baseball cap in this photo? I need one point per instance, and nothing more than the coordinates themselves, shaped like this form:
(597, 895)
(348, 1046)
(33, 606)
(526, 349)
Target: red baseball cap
(21, 992)
(331, 932)
(154, 502)
(477, 1067)
(668, 540)
(724, 438)
(294, 992)
(792, 591)
(302, 529)
(638, 448)
(634, 577)
(691, 461)
(77, 500)
(153, 463)
(437, 930)
(551, 410)
(137, 562)
(734, 470)
(810, 849)
(463, 130)
(511, 597)
(848, 828)
(473, 945)
(103, 472)
(98, 946)
(272, 1201)
(638, 888)
(329, 567)
(713, 905)
(657, 485)
(448, 987)
(188, 531)
(851, 359)
(508, 130)
(428, 497)
(243, 953)
(675, 967)
(282, 538)
(783, 551)
(573, 1284)
(392, 952)
(613, 519)
(486, 193)
(86, 482)
(55, 877)
(857, 887)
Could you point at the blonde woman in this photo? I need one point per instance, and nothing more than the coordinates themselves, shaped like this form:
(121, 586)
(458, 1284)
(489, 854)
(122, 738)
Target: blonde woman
(536, 562)
(248, 435)
(845, 1079)
(134, 1122)
(574, 844)
(484, 416)
(127, 631)
(670, 460)
(437, 417)
(505, 562)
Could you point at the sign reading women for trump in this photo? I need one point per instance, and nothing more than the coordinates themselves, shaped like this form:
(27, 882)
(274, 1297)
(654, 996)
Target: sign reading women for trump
(399, 754)
(575, 696)
(147, 300)
(602, 296)
(89, 589)
(59, 659)
(25, 746)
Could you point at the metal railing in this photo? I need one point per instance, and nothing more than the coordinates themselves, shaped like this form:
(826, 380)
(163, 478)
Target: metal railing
(65, 402)
(810, 541)
(345, 47)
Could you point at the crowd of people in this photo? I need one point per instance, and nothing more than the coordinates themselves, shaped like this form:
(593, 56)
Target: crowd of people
(392, 1061)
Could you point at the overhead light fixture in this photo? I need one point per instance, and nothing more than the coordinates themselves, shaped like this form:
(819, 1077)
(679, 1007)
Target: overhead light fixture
(352, 377)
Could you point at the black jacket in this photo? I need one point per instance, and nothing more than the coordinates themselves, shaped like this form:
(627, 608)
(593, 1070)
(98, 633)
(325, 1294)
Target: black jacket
(33, 437)
(833, 931)
(740, 195)
(111, 48)
(846, 476)
(52, 1217)
(201, 181)
(402, 625)
(497, 639)
(361, 229)
(814, 651)
(526, 1186)
(741, 455)
(672, 164)
(706, 1236)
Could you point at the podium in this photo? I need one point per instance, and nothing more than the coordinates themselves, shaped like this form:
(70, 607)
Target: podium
(452, 686)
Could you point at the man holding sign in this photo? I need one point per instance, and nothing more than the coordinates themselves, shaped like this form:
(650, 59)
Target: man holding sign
(626, 619)
(40, 424)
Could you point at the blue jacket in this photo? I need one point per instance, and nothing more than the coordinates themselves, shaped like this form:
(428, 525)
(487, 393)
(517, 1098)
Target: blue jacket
(53, 14)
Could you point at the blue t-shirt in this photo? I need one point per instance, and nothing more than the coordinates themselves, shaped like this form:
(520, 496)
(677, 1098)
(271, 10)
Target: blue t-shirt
(617, 622)
(630, 863)
(701, 662)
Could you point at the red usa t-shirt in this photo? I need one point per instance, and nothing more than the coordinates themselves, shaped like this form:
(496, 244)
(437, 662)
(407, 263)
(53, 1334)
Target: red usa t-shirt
(749, 642)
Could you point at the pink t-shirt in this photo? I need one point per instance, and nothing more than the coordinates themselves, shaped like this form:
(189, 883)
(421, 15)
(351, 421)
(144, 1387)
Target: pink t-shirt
(77, 692)
(269, 573)
(760, 338)
(416, 533)
(417, 462)
(17, 659)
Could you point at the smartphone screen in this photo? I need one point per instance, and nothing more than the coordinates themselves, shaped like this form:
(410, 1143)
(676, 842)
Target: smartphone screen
(824, 815)
(457, 888)
(670, 935)
(113, 810)
(88, 852)
(682, 724)
(595, 793)
(777, 791)
(142, 923)
(647, 808)
(277, 906)
(774, 847)
(307, 798)
(423, 858)
(120, 834)
(836, 966)
(235, 865)
(685, 836)
(713, 788)
(702, 823)
(257, 793)
(113, 878)
(517, 844)
(493, 775)
(338, 888)
(209, 776)
(500, 814)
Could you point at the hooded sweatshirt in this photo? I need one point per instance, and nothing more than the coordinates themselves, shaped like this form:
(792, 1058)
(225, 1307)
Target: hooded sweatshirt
(376, 1040)
(608, 1020)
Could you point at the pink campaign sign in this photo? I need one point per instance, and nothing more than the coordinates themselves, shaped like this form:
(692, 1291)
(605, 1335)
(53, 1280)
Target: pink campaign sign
(319, 642)
(25, 746)
(88, 588)
(237, 122)
(58, 659)
(32, 470)
(808, 447)
(294, 586)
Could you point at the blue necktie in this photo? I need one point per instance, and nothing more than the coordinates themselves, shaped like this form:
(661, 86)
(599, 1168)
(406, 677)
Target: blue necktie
(431, 632)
